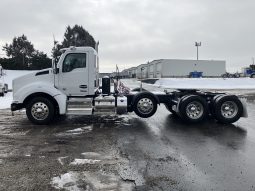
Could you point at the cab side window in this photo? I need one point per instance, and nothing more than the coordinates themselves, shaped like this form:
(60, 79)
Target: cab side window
(73, 61)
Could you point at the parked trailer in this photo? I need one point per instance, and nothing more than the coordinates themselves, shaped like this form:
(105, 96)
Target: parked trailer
(71, 87)
(3, 86)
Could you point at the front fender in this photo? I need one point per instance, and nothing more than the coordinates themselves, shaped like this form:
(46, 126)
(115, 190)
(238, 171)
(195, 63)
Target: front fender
(36, 87)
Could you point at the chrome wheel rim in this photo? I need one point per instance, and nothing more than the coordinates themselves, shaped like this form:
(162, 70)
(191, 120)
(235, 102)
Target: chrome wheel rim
(194, 110)
(145, 105)
(40, 111)
(229, 109)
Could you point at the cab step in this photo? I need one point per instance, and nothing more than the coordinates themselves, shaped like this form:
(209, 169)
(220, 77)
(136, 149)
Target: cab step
(79, 106)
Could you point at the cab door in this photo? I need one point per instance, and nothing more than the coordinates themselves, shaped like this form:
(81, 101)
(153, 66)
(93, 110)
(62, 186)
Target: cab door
(73, 75)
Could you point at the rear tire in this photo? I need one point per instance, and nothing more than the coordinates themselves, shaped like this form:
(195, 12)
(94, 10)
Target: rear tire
(193, 109)
(228, 109)
(40, 111)
(145, 105)
(253, 76)
(212, 104)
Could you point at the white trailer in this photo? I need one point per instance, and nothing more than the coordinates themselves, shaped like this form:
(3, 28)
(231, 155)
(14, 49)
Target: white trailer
(3, 86)
(71, 87)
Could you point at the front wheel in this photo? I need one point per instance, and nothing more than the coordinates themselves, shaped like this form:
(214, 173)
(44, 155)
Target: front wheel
(40, 111)
(145, 105)
(253, 76)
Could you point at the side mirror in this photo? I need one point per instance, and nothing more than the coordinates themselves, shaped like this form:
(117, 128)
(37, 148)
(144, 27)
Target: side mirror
(54, 66)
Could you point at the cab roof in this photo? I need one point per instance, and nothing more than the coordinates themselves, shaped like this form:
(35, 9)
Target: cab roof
(82, 48)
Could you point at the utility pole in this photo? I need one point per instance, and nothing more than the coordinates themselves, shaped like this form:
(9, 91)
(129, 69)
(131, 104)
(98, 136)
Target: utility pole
(197, 44)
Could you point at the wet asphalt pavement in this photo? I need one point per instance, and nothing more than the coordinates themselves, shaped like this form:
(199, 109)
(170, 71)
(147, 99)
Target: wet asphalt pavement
(127, 153)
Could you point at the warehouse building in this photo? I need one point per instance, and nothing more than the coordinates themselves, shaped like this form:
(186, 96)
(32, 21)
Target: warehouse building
(166, 68)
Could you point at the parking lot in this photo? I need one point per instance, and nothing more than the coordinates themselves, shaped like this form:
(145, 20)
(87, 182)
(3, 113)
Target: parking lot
(127, 153)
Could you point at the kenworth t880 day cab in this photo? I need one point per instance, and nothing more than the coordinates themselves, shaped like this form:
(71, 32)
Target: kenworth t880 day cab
(71, 87)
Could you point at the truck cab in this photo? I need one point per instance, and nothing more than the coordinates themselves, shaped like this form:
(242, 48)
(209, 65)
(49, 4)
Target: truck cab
(76, 73)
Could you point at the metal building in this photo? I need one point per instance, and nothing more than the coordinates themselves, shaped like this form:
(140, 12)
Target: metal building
(180, 68)
(142, 71)
(166, 68)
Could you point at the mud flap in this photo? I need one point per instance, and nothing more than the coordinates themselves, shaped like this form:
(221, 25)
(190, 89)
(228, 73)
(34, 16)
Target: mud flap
(244, 103)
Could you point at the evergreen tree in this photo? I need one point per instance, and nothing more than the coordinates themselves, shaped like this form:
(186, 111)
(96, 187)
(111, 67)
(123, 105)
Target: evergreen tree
(23, 56)
(21, 50)
(75, 36)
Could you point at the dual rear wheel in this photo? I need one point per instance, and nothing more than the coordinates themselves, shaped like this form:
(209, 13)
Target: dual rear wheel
(193, 108)
(227, 109)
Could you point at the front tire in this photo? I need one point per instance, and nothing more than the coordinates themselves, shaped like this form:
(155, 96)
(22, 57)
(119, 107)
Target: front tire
(40, 111)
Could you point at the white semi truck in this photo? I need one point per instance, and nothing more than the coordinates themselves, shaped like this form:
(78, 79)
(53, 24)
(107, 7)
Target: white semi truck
(71, 87)
(3, 86)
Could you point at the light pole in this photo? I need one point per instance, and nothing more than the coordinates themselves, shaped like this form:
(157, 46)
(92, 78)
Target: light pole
(197, 44)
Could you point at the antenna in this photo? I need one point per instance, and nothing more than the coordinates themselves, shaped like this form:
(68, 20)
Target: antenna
(54, 40)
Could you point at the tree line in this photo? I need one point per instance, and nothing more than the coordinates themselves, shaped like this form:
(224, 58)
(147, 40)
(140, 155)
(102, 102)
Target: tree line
(21, 54)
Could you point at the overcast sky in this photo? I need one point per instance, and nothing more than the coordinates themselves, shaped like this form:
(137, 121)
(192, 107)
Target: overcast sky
(132, 32)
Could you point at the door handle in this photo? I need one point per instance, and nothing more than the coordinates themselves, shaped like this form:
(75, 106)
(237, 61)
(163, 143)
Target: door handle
(83, 86)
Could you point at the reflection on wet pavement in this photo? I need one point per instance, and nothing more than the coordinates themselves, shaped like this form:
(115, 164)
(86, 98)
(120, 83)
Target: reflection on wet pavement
(127, 152)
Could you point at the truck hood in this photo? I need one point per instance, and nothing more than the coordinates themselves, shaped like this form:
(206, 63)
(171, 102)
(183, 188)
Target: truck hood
(41, 76)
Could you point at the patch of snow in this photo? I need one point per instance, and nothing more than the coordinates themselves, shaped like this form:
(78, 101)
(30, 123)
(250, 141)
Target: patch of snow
(5, 102)
(206, 83)
(28, 155)
(90, 181)
(77, 131)
(84, 161)
(91, 154)
(80, 130)
(66, 181)
(60, 160)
